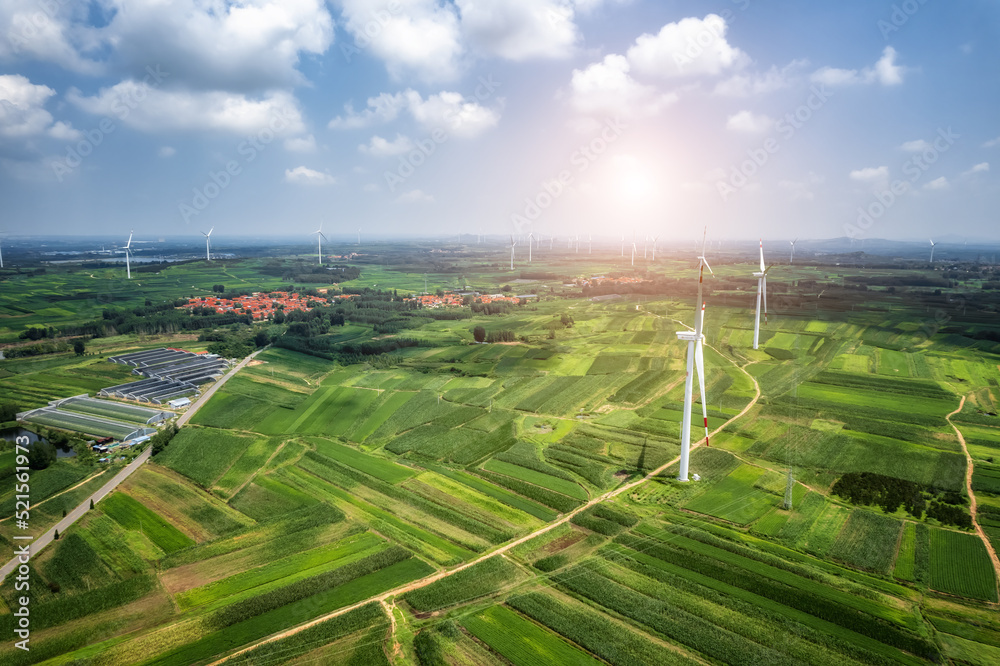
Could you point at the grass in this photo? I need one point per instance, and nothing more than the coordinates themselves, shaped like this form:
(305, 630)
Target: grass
(380, 468)
(521, 641)
(735, 498)
(960, 565)
(204, 454)
(132, 515)
(868, 540)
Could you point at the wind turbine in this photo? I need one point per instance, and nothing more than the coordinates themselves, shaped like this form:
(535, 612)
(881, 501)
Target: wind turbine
(128, 251)
(590, 243)
(645, 246)
(633, 251)
(359, 236)
(512, 244)
(695, 356)
(932, 250)
(1, 255)
(578, 243)
(208, 240)
(531, 238)
(623, 246)
(761, 294)
(791, 259)
(319, 243)
(654, 248)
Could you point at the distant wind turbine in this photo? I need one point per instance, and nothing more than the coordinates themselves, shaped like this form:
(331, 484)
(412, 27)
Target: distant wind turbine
(531, 239)
(654, 248)
(761, 293)
(359, 236)
(623, 246)
(208, 241)
(128, 251)
(932, 250)
(590, 243)
(695, 356)
(791, 259)
(319, 243)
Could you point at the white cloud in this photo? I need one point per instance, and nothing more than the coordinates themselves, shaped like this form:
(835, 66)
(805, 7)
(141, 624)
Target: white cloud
(380, 147)
(801, 189)
(747, 122)
(301, 144)
(154, 109)
(992, 142)
(607, 88)
(422, 37)
(23, 114)
(885, 72)
(415, 196)
(937, 184)
(306, 176)
(452, 112)
(251, 45)
(916, 146)
(689, 47)
(166, 151)
(745, 85)
(875, 175)
(45, 33)
(519, 29)
(381, 109)
(982, 167)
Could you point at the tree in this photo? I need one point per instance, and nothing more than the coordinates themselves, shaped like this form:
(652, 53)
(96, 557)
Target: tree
(41, 455)
(79, 346)
(91, 502)
(56, 536)
(479, 333)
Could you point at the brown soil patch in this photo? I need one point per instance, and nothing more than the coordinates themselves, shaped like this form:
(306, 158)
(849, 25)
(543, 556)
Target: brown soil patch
(255, 362)
(563, 542)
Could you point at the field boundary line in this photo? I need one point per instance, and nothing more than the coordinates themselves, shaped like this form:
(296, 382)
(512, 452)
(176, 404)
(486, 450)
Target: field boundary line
(970, 468)
(61, 492)
(501, 550)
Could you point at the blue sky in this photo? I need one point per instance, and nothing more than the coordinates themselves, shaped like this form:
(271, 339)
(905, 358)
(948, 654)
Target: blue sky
(426, 117)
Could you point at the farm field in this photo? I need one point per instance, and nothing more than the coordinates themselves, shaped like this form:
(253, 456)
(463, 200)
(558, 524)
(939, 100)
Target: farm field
(307, 485)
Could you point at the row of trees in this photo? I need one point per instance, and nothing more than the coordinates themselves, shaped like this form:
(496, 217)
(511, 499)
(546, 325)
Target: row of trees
(890, 493)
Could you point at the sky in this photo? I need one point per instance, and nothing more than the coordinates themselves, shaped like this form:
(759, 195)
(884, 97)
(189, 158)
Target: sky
(860, 118)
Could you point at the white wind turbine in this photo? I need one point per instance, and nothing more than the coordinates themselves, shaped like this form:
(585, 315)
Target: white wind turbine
(512, 244)
(1, 254)
(531, 238)
(208, 240)
(590, 243)
(695, 357)
(623, 246)
(654, 248)
(319, 243)
(791, 259)
(359, 236)
(578, 243)
(633, 250)
(128, 251)
(761, 294)
(932, 250)
(645, 246)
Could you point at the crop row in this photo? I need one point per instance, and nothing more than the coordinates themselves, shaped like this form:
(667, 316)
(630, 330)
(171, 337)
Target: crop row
(544, 496)
(44, 484)
(545, 480)
(522, 642)
(524, 454)
(641, 388)
(203, 454)
(476, 581)
(927, 389)
(133, 515)
(566, 458)
(490, 490)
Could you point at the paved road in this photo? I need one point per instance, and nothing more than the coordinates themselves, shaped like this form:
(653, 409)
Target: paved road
(77, 513)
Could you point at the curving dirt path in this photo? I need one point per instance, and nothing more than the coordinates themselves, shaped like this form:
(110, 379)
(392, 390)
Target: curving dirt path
(403, 589)
(972, 496)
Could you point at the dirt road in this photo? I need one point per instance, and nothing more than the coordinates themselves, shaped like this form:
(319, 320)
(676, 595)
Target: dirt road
(423, 582)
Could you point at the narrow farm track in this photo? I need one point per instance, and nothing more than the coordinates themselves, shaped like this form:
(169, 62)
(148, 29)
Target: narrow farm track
(972, 496)
(423, 582)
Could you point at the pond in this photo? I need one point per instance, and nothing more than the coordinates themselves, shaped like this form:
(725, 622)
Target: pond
(11, 433)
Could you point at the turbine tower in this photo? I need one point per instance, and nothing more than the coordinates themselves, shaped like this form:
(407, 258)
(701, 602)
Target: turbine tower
(1, 255)
(359, 236)
(633, 252)
(512, 244)
(761, 294)
(319, 243)
(653, 258)
(590, 244)
(208, 240)
(791, 259)
(623, 246)
(531, 238)
(128, 251)
(695, 356)
(932, 250)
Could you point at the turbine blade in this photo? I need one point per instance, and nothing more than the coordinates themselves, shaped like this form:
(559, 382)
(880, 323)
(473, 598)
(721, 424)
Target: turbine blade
(705, 261)
(762, 255)
(763, 285)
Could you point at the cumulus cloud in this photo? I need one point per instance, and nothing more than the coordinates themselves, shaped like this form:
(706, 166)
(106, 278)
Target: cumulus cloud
(301, 144)
(689, 47)
(45, 36)
(982, 167)
(606, 87)
(992, 142)
(305, 176)
(519, 29)
(380, 147)
(449, 111)
(937, 184)
(423, 37)
(916, 146)
(871, 175)
(415, 197)
(748, 84)
(150, 109)
(885, 72)
(747, 122)
(22, 110)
